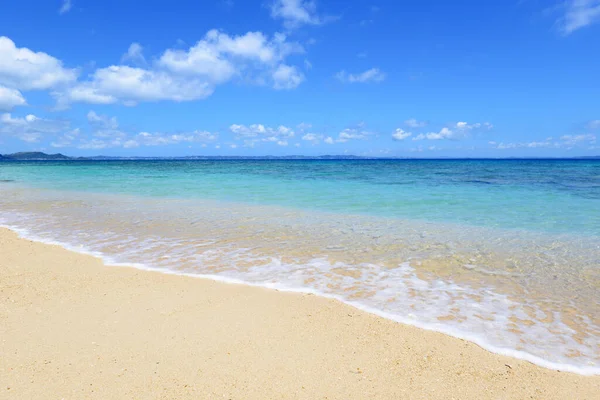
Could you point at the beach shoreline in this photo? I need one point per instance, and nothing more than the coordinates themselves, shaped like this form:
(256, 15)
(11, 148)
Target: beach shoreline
(72, 327)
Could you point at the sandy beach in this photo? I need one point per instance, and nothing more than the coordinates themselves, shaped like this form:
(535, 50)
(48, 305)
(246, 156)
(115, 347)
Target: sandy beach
(73, 328)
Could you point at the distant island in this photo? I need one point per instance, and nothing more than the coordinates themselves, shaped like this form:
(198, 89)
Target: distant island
(33, 156)
(40, 156)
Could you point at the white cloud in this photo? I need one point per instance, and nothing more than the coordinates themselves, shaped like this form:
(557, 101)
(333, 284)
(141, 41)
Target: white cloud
(359, 132)
(30, 128)
(457, 131)
(400, 134)
(219, 56)
(65, 7)
(256, 133)
(259, 130)
(314, 138)
(444, 133)
(579, 14)
(134, 54)
(286, 77)
(371, 75)
(192, 74)
(296, 12)
(23, 69)
(477, 125)
(353, 134)
(10, 98)
(130, 85)
(413, 123)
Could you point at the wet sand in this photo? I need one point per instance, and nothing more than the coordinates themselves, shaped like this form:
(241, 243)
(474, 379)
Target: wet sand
(73, 328)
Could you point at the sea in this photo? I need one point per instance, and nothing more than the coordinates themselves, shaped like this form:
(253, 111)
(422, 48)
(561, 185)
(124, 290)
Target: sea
(503, 253)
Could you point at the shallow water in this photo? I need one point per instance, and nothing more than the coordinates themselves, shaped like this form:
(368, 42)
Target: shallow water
(503, 253)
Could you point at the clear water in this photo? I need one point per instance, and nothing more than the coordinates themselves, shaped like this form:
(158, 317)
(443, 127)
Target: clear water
(503, 253)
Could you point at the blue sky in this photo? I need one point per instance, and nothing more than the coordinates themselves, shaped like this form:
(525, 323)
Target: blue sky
(231, 77)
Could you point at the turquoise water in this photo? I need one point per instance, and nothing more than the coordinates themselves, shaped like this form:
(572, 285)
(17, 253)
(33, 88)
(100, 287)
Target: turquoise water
(502, 253)
(553, 196)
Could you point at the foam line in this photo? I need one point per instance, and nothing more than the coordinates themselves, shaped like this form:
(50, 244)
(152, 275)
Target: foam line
(441, 328)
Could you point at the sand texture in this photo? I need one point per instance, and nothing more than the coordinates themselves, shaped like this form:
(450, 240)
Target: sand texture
(73, 328)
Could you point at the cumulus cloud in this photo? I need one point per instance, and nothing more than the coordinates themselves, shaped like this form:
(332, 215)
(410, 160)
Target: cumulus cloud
(10, 98)
(457, 131)
(477, 125)
(219, 56)
(579, 14)
(347, 134)
(24, 69)
(255, 133)
(258, 130)
(444, 133)
(313, 138)
(131, 85)
(192, 74)
(30, 128)
(371, 75)
(296, 12)
(350, 134)
(400, 134)
(286, 77)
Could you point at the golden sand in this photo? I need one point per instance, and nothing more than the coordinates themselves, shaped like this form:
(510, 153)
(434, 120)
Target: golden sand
(73, 328)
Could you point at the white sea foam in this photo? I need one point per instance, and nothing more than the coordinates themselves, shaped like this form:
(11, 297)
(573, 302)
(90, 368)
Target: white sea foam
(401, 292)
